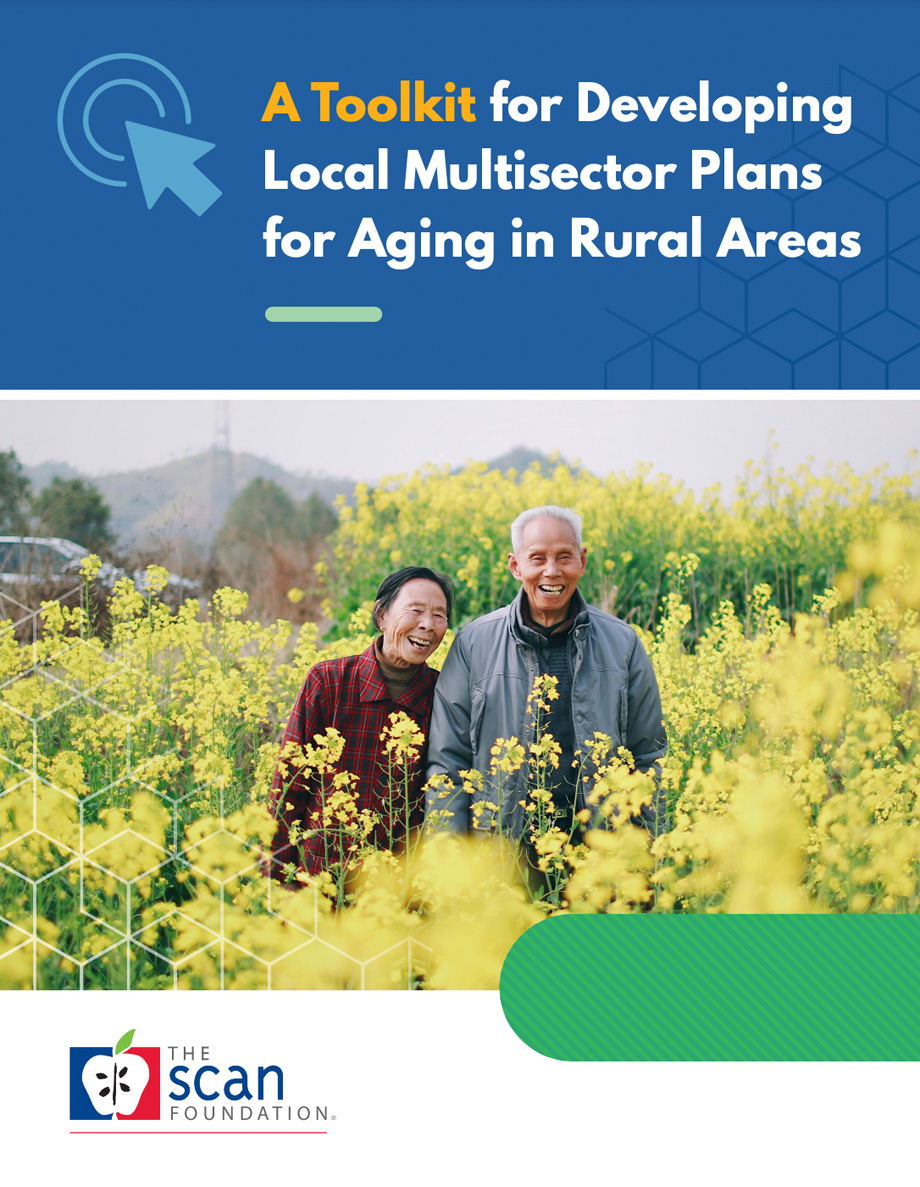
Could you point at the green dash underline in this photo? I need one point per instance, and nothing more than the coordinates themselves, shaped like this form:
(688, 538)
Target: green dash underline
(323, 313)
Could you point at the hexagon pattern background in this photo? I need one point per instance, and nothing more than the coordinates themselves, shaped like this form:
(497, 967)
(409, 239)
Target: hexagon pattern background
(110, 928)
(805, 322)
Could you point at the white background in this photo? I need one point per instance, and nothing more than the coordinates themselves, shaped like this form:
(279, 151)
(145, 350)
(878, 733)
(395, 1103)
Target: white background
(436, 1088)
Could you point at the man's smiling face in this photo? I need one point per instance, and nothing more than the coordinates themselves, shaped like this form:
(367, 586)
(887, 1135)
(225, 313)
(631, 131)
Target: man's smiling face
(550, 564)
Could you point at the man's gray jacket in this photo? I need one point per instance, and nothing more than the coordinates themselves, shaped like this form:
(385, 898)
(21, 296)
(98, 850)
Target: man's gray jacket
(481, 695)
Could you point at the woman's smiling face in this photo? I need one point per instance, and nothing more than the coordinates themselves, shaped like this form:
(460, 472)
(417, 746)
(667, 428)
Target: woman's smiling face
(414, 623)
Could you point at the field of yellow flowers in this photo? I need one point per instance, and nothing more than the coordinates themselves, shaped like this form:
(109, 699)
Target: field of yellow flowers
(135, 815)
(789, 530)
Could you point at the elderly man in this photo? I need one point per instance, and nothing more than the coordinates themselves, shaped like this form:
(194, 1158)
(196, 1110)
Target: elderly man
(604, 679)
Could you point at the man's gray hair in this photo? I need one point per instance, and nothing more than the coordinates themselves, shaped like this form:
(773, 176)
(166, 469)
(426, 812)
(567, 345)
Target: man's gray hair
(572, 518)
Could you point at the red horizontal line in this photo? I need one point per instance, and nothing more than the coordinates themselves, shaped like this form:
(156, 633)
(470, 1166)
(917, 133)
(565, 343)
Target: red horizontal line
(172, 1131)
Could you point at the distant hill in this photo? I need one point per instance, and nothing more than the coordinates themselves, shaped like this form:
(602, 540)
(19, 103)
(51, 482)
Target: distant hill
(40, 476)
(189, 498)
(520, 458)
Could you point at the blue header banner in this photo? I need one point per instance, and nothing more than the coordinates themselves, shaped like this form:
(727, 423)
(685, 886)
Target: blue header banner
(400, 195)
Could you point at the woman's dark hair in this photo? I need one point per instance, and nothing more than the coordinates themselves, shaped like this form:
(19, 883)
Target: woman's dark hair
(393, 583)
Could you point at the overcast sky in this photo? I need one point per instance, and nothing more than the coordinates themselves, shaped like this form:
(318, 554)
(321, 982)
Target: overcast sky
(696, 440)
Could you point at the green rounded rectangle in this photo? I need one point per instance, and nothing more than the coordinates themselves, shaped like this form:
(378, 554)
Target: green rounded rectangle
(323, 313)
(717, 987)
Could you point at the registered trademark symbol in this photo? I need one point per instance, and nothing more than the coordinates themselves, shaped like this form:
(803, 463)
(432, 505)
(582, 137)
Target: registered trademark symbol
(333, 1117)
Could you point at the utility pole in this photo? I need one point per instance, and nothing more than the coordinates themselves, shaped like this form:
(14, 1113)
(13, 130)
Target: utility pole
(222, 488)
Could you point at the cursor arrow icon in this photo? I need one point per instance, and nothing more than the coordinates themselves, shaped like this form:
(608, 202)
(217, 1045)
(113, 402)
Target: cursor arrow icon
(166, 161)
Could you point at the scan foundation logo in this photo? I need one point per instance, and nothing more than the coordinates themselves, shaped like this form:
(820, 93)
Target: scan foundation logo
(123, 1083)
(115, 1083)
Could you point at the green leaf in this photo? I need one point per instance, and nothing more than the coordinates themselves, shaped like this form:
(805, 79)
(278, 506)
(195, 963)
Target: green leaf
(124, 1042)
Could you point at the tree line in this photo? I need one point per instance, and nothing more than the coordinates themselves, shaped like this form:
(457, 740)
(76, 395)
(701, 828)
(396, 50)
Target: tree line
(71, 508)
(267, 545)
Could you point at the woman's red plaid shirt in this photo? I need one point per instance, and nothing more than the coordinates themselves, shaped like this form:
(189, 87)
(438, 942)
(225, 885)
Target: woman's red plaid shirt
(351, 696)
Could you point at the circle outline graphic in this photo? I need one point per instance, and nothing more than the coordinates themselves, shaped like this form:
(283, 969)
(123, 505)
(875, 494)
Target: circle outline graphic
(116, 82)
(76, 78)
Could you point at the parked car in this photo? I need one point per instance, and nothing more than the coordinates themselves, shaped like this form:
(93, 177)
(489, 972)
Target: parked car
(47, 560)
(50, 561)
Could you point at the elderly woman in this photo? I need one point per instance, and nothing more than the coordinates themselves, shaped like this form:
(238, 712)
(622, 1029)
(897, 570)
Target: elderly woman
(356, 695)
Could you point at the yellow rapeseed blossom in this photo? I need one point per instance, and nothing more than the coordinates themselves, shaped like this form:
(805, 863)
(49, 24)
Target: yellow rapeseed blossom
(136, 769)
